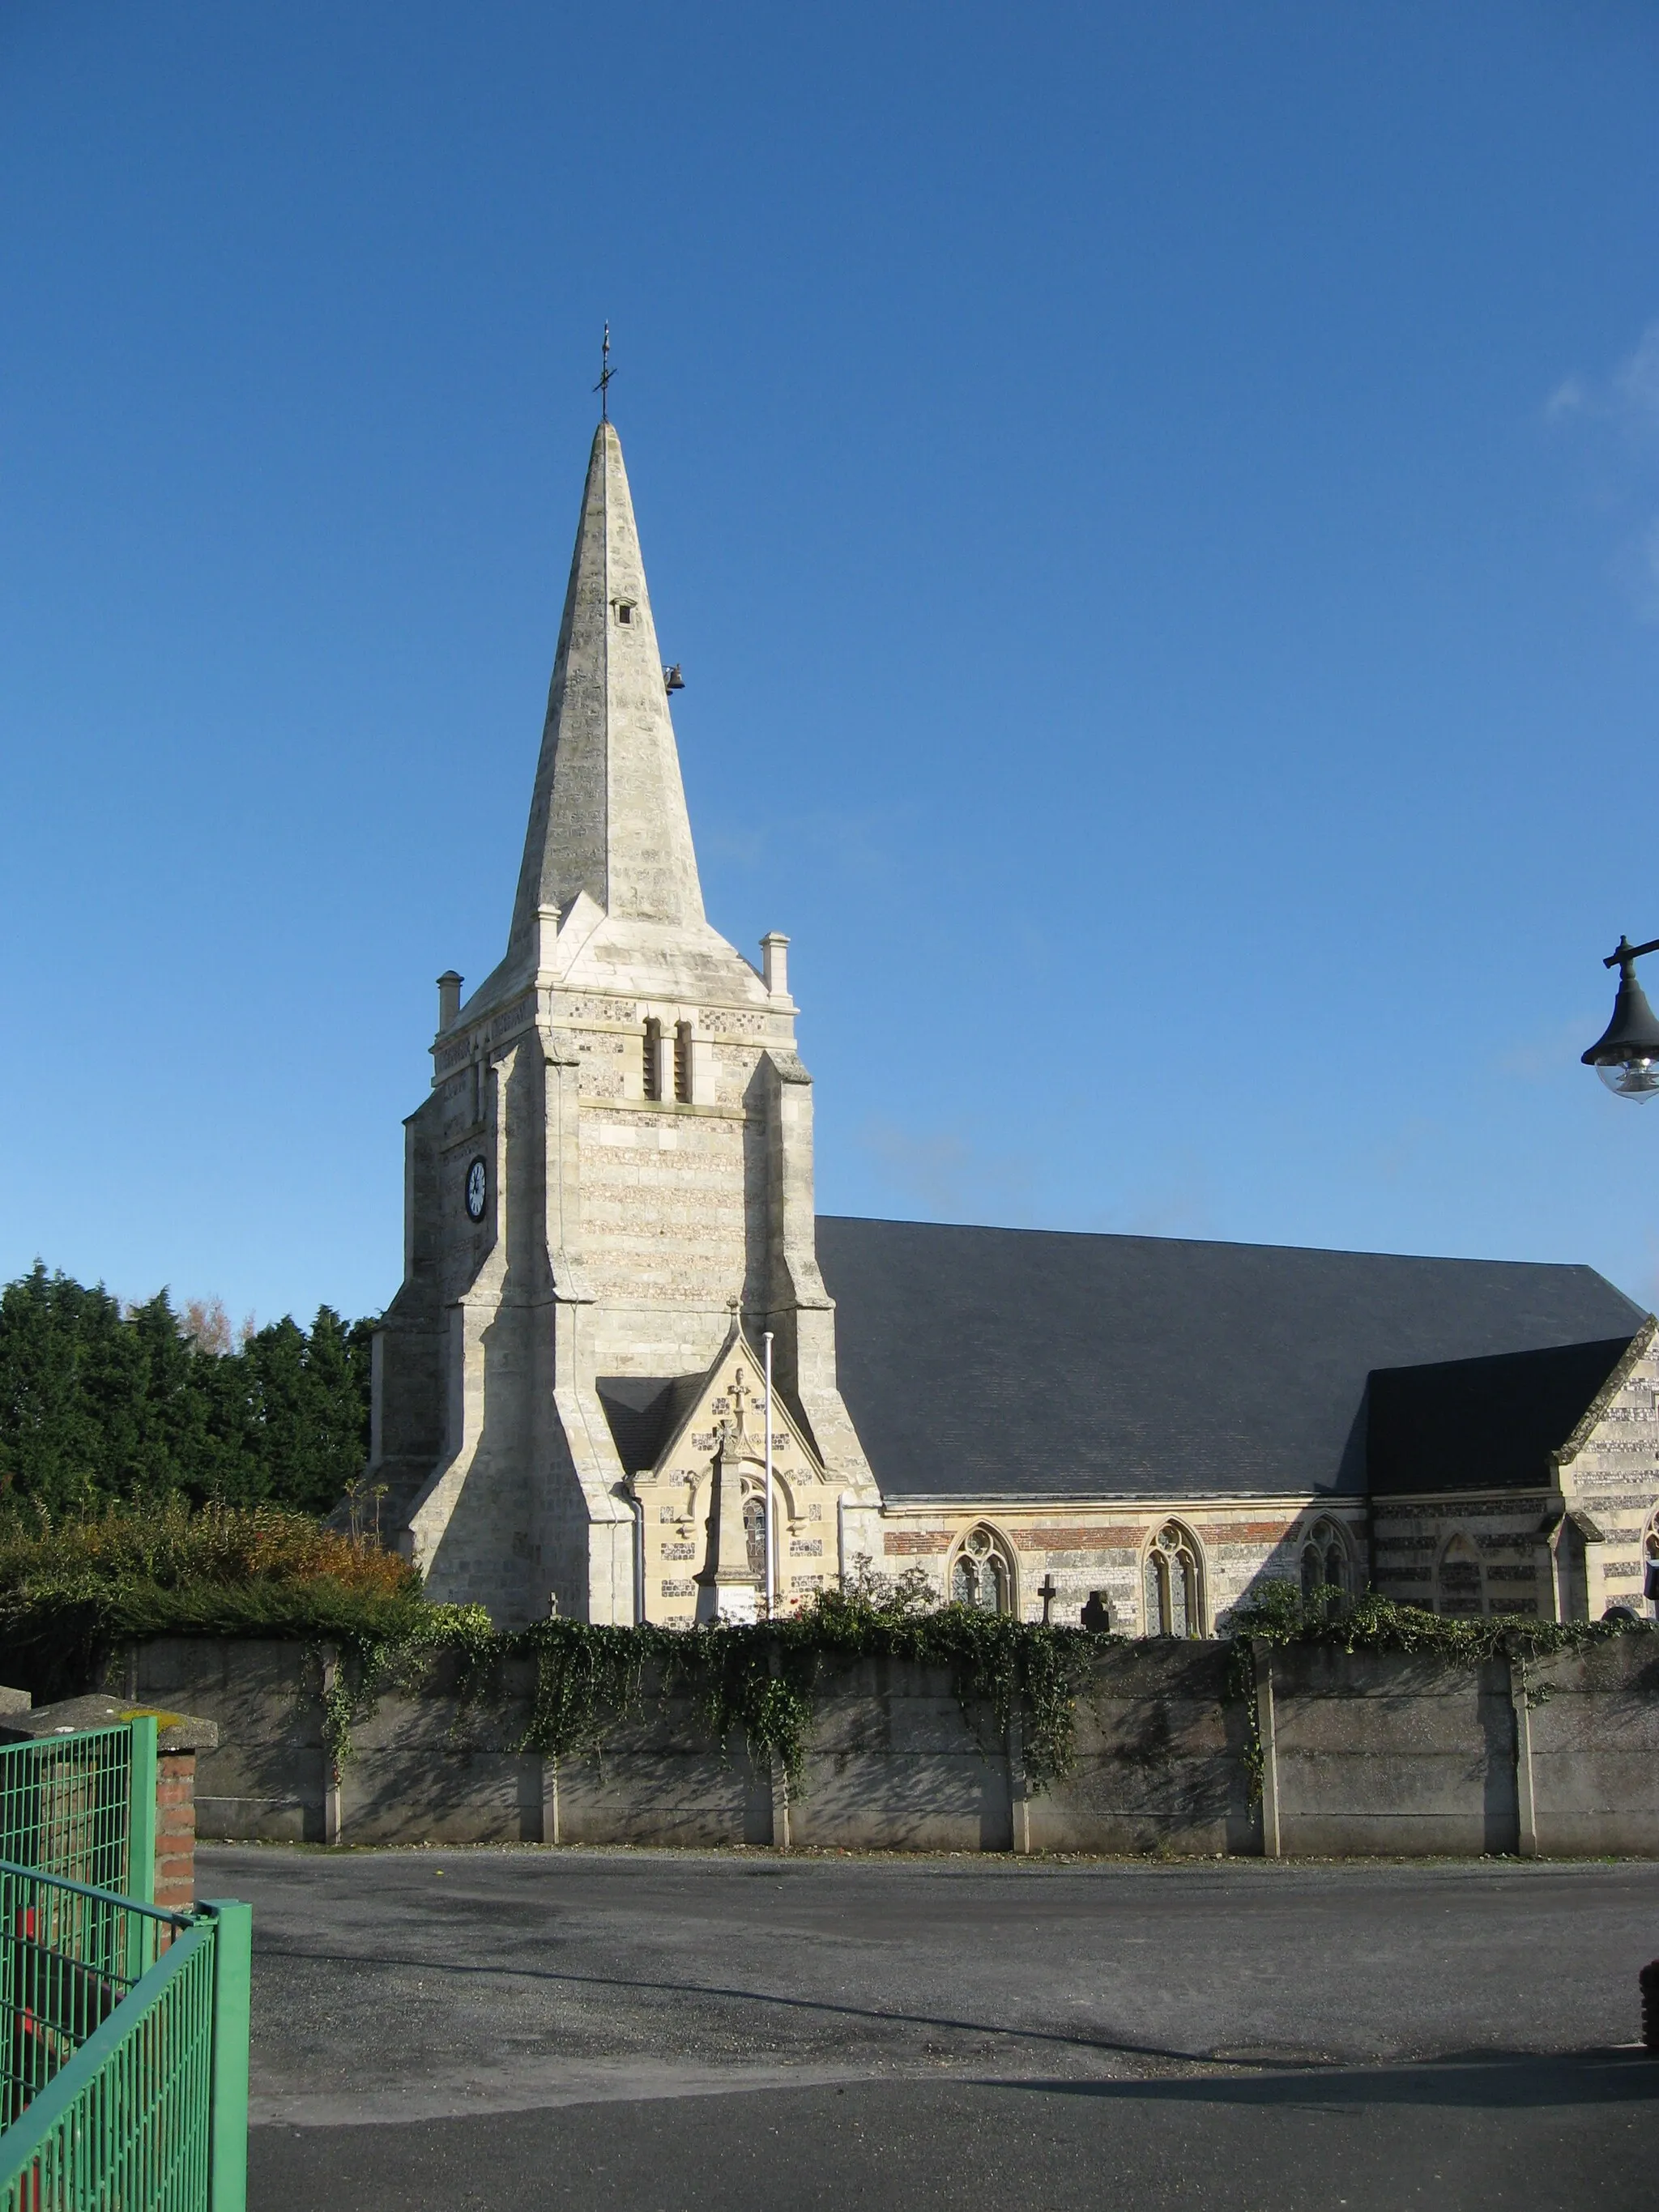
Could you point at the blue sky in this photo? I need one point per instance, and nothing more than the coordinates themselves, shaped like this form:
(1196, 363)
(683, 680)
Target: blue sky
(1158, 509)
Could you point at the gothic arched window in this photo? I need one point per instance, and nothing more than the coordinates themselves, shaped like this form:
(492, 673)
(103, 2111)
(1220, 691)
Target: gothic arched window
(1324, 1560)
(1651, 1566)
(754, 1534)
(682, 1062)
(1458, 1584)
(1173, 1588)
(981, 1576)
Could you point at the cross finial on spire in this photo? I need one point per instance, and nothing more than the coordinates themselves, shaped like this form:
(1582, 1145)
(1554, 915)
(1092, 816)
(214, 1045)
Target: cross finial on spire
(603, 387)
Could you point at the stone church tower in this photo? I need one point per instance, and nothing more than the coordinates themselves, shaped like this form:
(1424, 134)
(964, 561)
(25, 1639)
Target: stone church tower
(608, 1202)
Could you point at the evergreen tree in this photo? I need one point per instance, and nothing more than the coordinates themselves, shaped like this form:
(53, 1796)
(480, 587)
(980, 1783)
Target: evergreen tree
(99, 1403)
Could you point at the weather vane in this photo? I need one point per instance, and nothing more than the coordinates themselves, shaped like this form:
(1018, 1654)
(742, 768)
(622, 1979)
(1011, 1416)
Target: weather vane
(603, 387)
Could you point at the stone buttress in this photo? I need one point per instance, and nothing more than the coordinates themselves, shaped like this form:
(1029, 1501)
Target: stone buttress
(609, 1192)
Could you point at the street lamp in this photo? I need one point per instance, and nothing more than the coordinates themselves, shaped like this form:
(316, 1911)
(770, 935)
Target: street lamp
(1626, 1054)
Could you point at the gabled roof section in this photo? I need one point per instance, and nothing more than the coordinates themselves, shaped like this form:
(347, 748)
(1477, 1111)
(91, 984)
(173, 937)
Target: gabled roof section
(608, 812)
(1593, 1415)
(653, 1421)
(1009, 1362)
(1492, 1424)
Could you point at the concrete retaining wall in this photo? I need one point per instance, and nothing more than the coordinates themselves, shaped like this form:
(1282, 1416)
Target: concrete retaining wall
(1381, 1754)
(1363, 1754)
(1589, 1733)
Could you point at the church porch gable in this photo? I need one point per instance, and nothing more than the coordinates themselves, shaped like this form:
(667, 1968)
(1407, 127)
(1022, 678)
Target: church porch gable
(703, 1521)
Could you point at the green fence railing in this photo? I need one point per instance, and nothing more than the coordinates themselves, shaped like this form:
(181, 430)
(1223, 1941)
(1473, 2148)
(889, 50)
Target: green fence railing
(83, 1806)
(123, 2070)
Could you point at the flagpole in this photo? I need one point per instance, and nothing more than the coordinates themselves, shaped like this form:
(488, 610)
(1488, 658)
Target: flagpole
(766, 1340)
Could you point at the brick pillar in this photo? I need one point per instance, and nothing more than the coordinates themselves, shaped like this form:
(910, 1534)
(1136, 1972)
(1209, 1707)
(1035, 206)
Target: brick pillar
(179, 1738)
(175, 1830)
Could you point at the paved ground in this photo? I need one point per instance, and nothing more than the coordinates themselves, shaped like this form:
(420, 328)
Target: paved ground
(517, 2027)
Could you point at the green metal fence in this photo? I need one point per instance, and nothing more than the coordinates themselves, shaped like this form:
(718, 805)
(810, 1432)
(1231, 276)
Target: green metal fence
(83, 1806)
(125, 2037)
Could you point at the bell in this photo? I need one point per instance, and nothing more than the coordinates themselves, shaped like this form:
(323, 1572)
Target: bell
(672, 679)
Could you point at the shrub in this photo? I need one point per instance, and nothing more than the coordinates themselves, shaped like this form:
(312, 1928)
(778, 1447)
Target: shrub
(72, 1585)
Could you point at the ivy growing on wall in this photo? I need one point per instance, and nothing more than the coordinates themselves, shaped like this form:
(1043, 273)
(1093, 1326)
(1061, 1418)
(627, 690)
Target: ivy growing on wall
(1017, 1681)
(1281, 1615)
(73, 1590)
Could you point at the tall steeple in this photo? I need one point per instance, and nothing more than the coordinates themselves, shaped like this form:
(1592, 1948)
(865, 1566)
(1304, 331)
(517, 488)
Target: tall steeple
(610, 1182)
(608, 815)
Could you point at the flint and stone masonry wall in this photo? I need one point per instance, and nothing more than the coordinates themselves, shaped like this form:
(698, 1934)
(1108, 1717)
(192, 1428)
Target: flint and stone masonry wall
(1365, 1754)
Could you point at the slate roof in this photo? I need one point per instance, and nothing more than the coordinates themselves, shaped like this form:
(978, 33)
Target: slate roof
(1038, 1362)
(1482, 1424)
(642, 1413)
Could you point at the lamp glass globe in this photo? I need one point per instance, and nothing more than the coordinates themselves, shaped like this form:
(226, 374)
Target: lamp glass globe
(1636, 1077)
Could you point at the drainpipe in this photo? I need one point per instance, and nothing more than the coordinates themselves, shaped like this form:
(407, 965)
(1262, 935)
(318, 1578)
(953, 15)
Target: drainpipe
(771, 1571)
(638, 1504)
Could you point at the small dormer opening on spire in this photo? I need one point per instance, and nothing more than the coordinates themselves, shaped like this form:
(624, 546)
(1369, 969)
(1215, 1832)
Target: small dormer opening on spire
(625, 611)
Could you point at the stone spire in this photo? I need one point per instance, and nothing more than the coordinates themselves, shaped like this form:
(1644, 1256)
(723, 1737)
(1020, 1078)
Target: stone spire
(608, 815)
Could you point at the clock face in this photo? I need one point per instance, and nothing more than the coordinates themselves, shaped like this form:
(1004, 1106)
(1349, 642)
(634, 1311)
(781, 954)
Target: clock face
(477, 1189)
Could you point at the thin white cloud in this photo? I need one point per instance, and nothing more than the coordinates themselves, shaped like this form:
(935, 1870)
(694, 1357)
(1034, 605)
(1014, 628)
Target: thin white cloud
(1628, 398)
(1648, 581)
(1398, 1156)
(1549, 1054)
(1624, 407)
(863, 845)
(1636, 565)
(1636, 384)
(942, 1173)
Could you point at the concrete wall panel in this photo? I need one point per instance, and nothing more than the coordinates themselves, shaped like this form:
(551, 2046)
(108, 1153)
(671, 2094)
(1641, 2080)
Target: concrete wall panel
(1383, 1752)
(1593, 1722)
(265, 1781)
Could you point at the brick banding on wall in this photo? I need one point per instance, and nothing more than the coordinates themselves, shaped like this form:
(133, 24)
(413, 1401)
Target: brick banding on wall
(175, 1830)
(1104, 1539)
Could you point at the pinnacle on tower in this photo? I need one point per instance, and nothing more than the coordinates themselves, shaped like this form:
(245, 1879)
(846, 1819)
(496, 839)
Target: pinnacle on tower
(608, 815)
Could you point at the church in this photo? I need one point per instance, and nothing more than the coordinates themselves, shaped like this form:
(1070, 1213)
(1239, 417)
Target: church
(632, 1376)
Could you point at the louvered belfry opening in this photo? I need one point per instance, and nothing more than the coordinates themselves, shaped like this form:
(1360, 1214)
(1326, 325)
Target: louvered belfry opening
(654, 1058)
(682, 1062)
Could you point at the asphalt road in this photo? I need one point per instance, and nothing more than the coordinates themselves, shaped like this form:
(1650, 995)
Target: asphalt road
(521, 2027)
